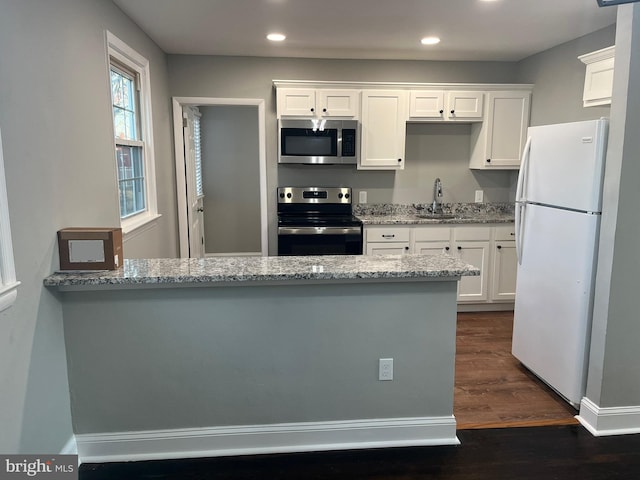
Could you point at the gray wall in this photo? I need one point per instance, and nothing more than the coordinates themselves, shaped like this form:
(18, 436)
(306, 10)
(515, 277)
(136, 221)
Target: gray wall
(432, 150)
(231, 178)
(58, 151)
(252, 77)
(243, 355)
(558, 76)
(614, 373)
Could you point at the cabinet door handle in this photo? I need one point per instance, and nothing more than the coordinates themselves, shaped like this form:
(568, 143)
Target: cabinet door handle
(441, 111)
(399, 160)
(453, 111)
(446, 248)
(313, 109)
(388, 236)
(406, 248)
(499, 247)
(459, 248)
(324, 110)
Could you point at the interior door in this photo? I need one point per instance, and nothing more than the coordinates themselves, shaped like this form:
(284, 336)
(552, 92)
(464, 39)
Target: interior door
(193, 170)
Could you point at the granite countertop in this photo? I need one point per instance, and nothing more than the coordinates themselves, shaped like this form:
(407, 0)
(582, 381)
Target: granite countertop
(462, 213)
(409, 219)
(251, 270)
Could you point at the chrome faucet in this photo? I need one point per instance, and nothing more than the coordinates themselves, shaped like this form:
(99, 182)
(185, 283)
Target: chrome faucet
(436, 206)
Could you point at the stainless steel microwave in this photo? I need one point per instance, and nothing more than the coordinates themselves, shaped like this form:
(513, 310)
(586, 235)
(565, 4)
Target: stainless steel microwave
(318, 141)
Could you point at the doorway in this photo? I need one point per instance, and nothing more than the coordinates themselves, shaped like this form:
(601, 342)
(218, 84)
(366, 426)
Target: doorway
(220, 206)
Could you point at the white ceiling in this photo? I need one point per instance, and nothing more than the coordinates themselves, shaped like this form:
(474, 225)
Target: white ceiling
(501, 30)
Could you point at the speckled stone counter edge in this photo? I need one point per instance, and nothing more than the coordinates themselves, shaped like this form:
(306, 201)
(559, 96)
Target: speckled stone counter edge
(253, 270)
(406, 214)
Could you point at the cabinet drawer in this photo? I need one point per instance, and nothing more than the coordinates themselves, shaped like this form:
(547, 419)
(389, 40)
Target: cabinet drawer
(431, 234)
(507, 232)
(472, 233)
(378, 234)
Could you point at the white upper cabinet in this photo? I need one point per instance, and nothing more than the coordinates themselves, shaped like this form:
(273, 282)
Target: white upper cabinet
(339, 103)
(498, 115)
(448, 106)
(598, 80)
(309, 102)
(465, 106)
(298, 102)
(383, 129)
(426, 104)
(500, 139)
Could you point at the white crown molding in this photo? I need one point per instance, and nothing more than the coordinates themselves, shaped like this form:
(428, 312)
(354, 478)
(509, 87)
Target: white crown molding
(400, 85)
(609, 420)
(598, 55)
(265, 439)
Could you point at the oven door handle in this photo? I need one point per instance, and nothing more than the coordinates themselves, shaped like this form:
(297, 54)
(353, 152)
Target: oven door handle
(319, 230)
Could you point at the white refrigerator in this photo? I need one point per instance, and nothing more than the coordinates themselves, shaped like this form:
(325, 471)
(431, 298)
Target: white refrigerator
(558, 206)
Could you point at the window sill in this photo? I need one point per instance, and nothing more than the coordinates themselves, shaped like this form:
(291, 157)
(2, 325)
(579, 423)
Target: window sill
(133, 228)
(8, 295)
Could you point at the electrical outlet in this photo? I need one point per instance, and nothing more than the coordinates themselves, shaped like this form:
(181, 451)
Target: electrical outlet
(385, 369)
(479, 196)
(362, 197)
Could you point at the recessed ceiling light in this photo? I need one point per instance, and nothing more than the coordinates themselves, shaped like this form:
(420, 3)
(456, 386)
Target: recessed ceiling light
(276, 37)
(430, 40)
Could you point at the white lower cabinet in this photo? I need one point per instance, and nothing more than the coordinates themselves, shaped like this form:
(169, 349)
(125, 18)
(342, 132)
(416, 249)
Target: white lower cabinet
(491, 248)
(505, 265)
(387, 240)
(471, 244)
(432, 240)
(391, 248)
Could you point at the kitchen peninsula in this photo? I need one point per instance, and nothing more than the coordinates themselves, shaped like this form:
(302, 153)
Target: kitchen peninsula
(172, 358)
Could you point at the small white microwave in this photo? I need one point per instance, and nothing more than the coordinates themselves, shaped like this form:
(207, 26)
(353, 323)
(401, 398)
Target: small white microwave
(318, 141)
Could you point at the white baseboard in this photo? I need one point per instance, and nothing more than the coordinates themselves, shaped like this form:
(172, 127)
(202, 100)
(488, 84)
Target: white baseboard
(70, 448)
(485, 307)
(262, 439)
(610, 420)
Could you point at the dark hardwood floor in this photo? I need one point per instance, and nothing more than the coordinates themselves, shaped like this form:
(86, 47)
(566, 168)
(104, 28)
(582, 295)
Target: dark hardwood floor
(492, 389)
(492, 392)
(536, 453)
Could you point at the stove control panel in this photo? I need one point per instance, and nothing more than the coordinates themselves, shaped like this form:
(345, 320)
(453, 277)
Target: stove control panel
(340, 195)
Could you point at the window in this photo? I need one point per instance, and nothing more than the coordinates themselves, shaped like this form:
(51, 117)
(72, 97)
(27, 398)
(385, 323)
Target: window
(8, 283)
(131, 108)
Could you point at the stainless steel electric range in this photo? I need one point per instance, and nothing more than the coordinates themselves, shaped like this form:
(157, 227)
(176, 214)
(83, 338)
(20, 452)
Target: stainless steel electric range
(317, 221)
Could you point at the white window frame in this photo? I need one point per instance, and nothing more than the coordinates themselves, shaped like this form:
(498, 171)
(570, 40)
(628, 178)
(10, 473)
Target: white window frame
(127, 56)
(197, 137)
(8, 283)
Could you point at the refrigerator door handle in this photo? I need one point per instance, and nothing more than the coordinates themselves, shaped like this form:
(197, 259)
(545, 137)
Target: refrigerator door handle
(524, 166)
(520, 205)
(520, 212)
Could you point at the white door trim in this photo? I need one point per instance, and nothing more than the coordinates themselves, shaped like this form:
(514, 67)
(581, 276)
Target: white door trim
(181, 192)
